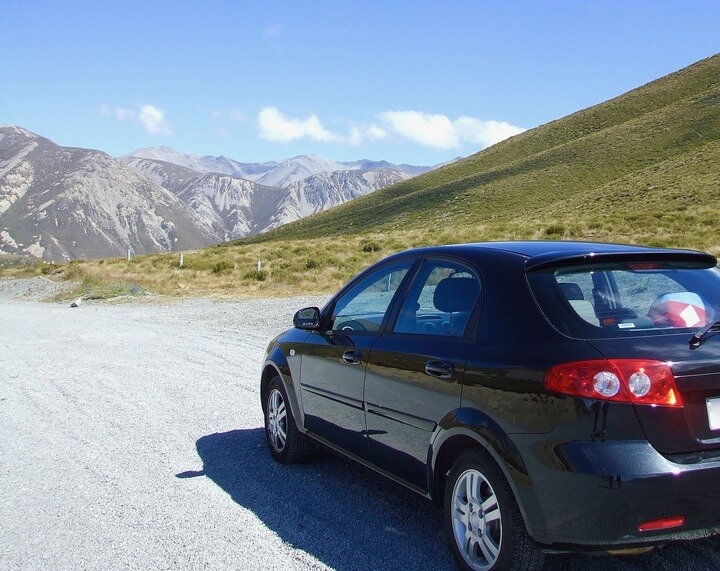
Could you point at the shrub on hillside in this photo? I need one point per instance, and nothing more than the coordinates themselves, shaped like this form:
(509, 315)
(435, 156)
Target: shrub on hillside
(371, 247)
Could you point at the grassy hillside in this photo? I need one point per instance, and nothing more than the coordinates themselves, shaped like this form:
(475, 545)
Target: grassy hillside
(641, 168)
(655, 147)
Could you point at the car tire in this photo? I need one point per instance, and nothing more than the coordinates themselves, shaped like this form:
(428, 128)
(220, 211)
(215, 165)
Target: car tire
(483, 523)
(284, 440)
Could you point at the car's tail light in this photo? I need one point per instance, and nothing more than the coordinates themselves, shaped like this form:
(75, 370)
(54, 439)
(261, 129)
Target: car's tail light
(638, 381)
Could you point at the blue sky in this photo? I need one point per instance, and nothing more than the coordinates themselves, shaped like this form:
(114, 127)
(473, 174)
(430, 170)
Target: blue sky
(413, 82)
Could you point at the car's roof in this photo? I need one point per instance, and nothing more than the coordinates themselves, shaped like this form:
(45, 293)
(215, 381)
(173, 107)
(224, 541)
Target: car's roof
(532, 248)
(544, 253)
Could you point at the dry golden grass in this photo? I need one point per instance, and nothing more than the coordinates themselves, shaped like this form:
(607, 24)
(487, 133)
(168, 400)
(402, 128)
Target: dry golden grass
(323, 265)
(286, 268)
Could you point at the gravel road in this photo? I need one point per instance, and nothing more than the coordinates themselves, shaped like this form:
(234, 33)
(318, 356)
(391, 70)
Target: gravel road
(130, 438)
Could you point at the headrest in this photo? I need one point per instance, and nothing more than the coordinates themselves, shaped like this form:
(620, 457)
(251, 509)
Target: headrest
(571, 290)
(456, 294)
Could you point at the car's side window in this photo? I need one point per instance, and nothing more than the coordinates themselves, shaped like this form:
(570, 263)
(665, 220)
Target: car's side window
(363, 307)
(440, 300)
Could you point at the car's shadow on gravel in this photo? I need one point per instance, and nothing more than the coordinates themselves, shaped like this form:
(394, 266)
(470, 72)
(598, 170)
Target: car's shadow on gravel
(340, 514)
(351, 519)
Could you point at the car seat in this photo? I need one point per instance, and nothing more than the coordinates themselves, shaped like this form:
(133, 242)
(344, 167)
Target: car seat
(457, 297)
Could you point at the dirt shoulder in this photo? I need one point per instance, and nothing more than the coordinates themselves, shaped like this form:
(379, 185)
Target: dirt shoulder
(33, 289)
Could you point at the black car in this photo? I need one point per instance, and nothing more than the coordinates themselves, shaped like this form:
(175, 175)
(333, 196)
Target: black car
(549, 396)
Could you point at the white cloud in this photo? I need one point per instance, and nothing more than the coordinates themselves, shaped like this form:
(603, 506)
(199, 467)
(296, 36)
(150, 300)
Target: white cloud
(153, 120)
(430, 130)
(375, 133)
(276, 127)
(440, 132)
(150, 117)
(485, 133)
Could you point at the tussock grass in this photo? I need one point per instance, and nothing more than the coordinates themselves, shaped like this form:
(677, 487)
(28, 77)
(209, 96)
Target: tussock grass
(286, 268)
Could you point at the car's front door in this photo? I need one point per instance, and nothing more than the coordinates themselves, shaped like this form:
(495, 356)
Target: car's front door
(414, 374)
(334, 359)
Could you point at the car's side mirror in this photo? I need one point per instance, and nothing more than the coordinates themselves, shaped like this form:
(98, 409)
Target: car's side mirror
(308, 318)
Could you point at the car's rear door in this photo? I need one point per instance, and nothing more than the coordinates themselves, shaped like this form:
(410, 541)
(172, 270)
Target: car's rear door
(415, 370)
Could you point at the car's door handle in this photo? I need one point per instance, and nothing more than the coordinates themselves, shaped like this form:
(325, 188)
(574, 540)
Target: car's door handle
(440, 369)
(352, 357)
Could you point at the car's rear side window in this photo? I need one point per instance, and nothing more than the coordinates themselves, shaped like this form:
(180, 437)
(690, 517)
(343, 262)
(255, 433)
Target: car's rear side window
(621, 299)
(440, 300)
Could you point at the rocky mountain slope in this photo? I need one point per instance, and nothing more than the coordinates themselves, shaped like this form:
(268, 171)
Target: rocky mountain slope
(61, 203)
(286, 191)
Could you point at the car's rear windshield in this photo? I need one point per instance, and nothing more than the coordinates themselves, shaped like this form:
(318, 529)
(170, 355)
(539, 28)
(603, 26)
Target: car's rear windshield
(627, 298)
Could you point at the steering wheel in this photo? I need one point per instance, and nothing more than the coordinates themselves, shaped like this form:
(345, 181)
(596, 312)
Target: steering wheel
(352, 325)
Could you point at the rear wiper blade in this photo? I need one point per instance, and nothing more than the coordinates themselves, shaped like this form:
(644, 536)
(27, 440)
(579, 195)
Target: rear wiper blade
(701, 335)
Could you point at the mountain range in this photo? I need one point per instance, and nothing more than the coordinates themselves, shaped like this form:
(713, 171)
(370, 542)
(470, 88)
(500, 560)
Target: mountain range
(61, 203)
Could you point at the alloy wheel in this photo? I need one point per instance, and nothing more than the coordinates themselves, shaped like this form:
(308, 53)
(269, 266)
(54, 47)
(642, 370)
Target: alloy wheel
(276, 420)
(476, 520)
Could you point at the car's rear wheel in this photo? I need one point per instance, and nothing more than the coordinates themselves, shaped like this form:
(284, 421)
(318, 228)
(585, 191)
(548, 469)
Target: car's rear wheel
(483, 523)
(286, 444)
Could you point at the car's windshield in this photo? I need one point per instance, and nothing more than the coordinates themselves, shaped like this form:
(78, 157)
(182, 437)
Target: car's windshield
(620, 299)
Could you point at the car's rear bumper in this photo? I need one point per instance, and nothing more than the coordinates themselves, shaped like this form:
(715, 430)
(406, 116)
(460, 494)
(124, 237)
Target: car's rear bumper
(598, 494)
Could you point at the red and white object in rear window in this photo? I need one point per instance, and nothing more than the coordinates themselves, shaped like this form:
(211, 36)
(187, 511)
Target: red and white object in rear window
(681, 309)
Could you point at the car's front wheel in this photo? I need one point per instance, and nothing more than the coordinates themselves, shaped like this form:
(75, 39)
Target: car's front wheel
(485, 529)
(286, 444)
